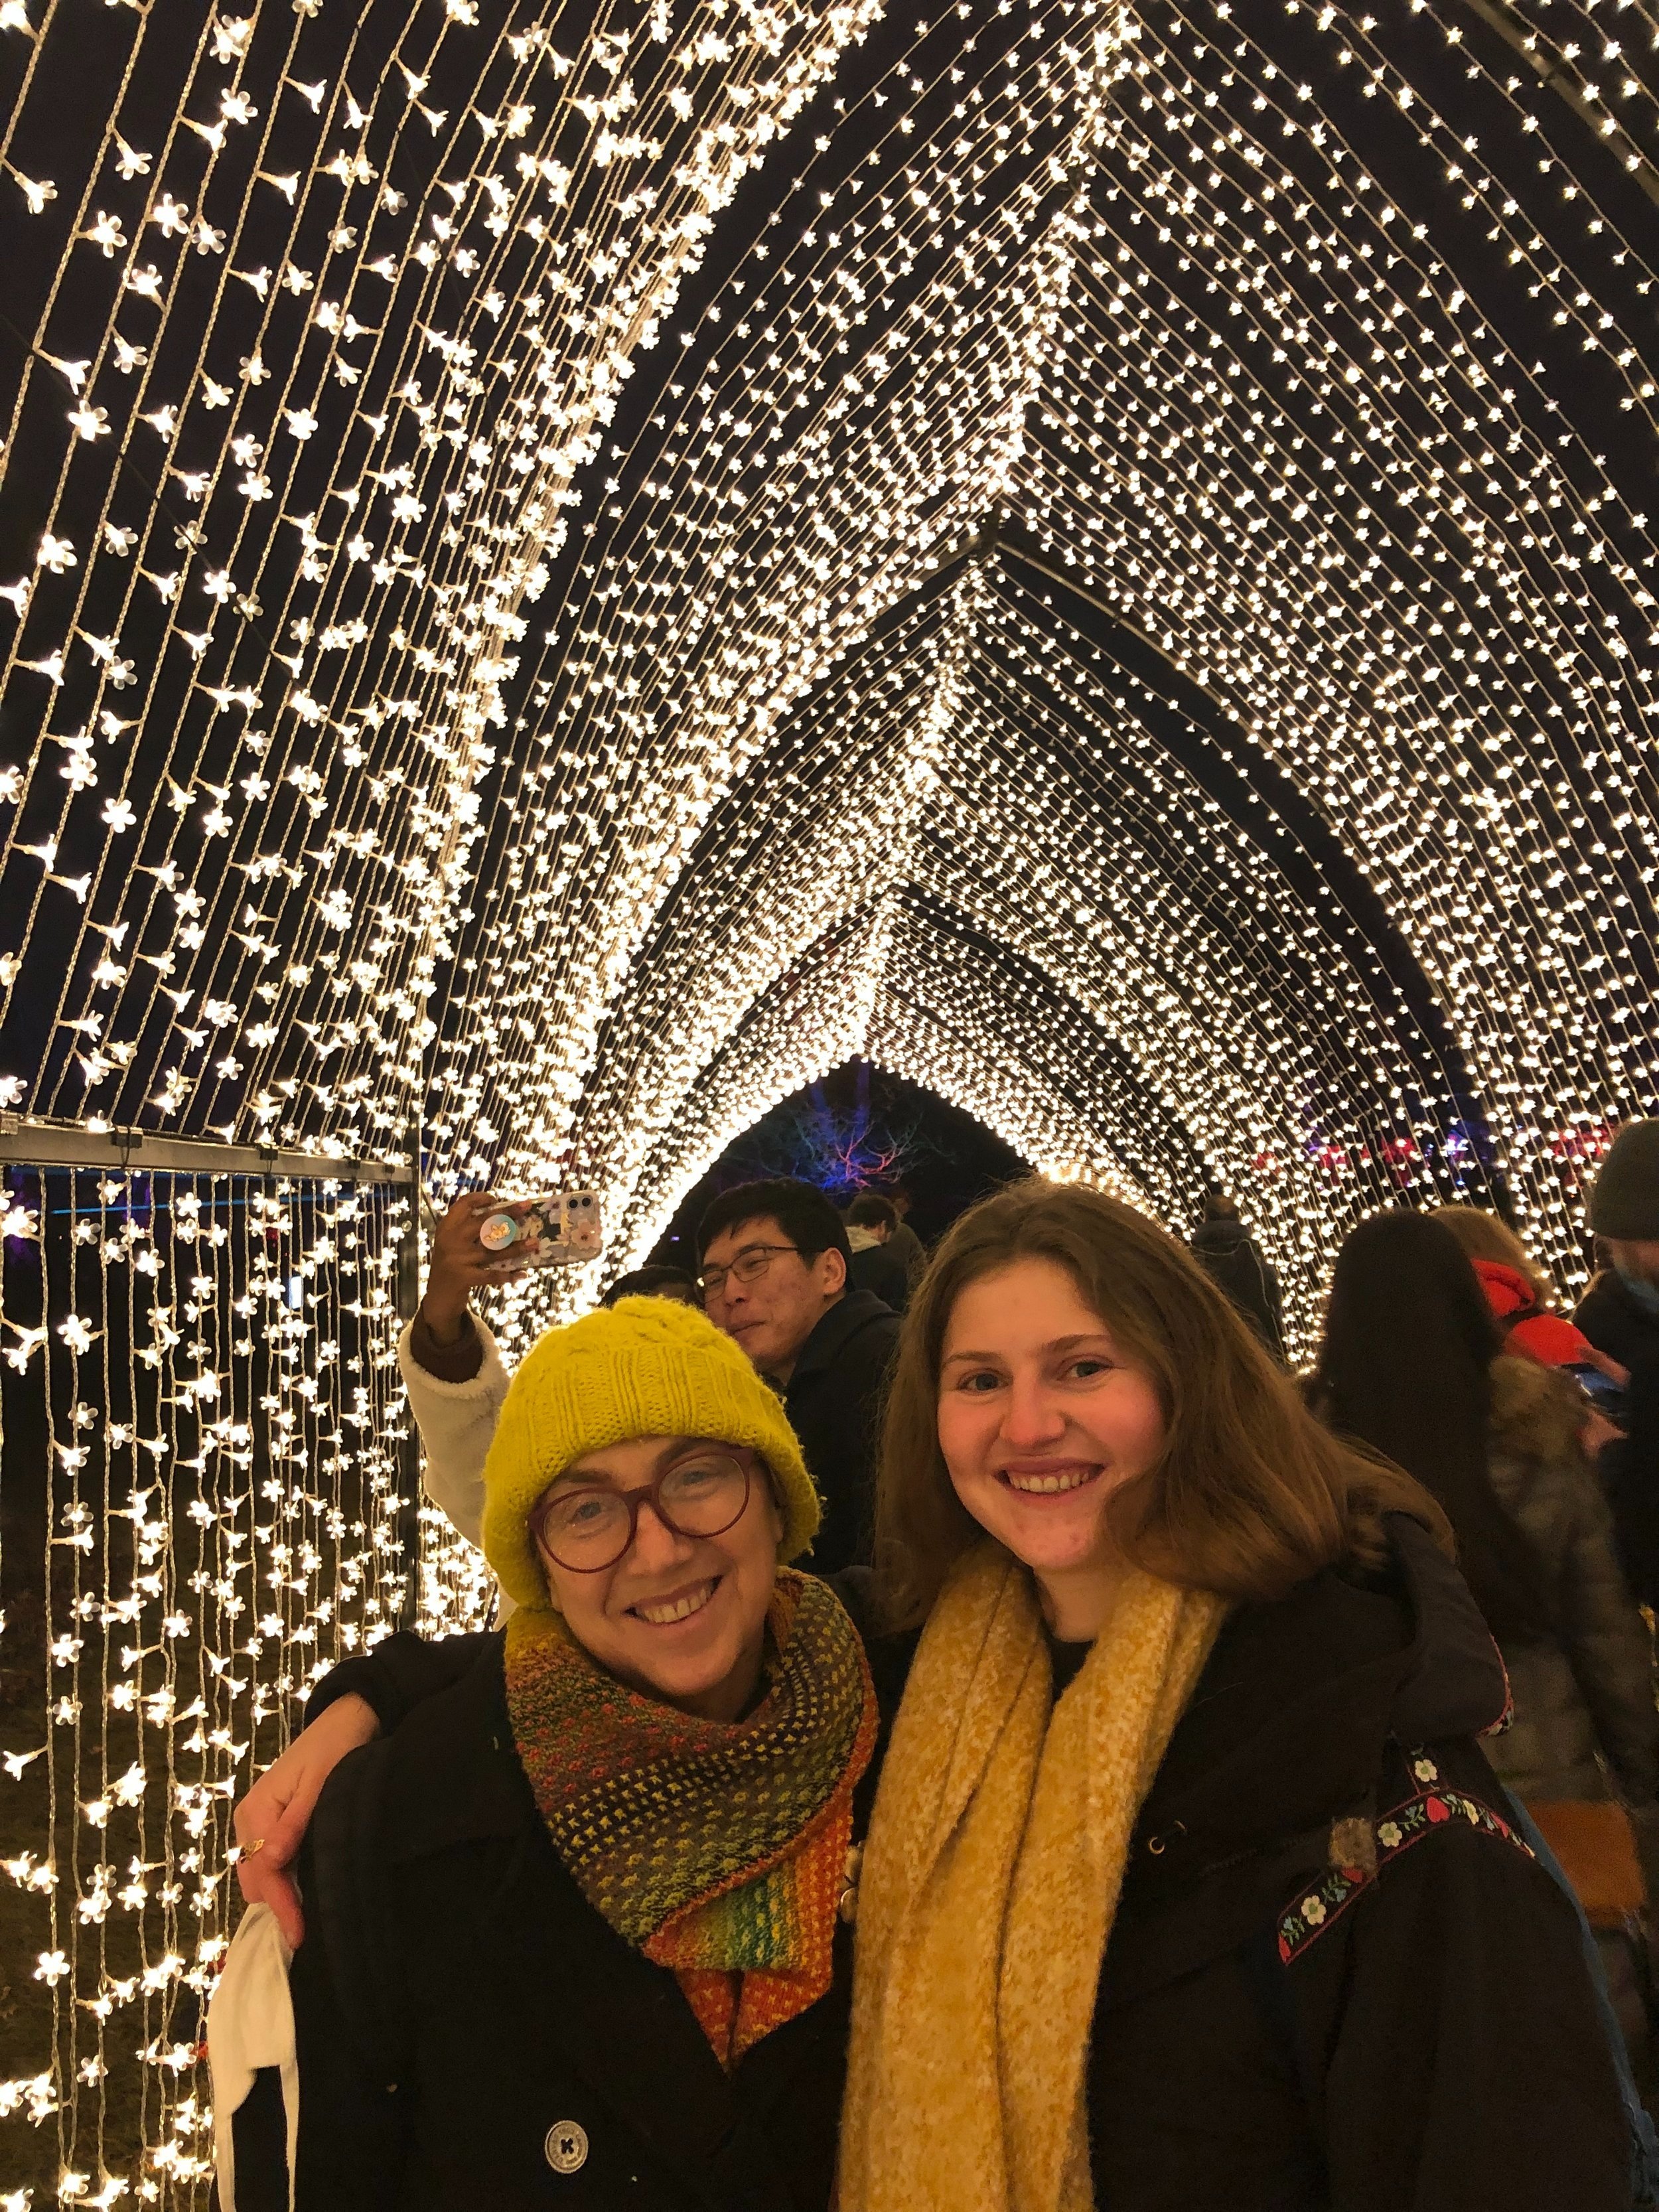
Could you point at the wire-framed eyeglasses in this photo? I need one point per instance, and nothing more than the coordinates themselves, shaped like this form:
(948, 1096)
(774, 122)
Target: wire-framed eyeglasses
(750, 1264)
(587, 1526)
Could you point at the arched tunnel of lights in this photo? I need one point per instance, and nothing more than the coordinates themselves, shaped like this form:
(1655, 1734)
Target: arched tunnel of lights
(568, 571)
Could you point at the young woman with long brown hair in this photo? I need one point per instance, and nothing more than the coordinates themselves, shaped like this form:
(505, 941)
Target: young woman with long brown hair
(1187, 1885)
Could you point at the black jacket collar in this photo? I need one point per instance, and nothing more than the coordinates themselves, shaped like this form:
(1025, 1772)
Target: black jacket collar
(1220, 1237)
(1609, 1305)
(852, 1313)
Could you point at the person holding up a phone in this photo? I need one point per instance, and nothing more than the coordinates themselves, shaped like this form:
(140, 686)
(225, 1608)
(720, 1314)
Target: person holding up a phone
(775, 1278)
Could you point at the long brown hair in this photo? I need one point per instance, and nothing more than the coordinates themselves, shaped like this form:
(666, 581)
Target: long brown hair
(1406, 1368)
(1249, 1495)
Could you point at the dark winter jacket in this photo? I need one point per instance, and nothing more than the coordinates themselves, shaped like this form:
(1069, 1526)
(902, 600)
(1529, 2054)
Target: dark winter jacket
(879, 1269)
(1336, 1981)
(1584, 1697)
(910, 1249)
(1615, 1324)
(834, 1401)
(474, 2037)
(1232, 1257)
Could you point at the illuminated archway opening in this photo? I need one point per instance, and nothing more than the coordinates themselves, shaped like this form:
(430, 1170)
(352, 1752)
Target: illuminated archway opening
(859, 1126)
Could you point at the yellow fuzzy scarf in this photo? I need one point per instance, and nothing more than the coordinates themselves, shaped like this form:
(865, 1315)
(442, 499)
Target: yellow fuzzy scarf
(995, 1855)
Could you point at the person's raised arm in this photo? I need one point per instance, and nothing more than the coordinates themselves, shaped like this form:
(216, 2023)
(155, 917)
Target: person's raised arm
(452, 1370)
(445, 1339)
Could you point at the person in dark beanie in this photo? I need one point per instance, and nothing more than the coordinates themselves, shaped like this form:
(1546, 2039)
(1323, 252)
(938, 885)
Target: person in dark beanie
(1620, 1312)
(1232, 1258)
(1620, 1315)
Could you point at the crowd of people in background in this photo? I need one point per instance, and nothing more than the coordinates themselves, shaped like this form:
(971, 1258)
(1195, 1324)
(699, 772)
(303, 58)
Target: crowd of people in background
(1161, 1659)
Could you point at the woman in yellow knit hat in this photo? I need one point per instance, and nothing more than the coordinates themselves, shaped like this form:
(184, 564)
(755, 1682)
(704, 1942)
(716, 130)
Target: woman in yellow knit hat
(573, 1932)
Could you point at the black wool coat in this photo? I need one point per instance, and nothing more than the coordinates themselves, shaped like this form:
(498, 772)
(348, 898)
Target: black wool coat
(1336, 1981)
(473, 2036)
(881, 1270)
(1615, 1324)
(834, 1400)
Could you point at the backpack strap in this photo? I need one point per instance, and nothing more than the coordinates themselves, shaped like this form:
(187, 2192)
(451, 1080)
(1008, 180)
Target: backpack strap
(1347, 1844)
(1265, 1966)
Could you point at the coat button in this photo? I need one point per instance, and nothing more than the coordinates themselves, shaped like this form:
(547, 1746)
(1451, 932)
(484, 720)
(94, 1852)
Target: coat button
(567, 2145)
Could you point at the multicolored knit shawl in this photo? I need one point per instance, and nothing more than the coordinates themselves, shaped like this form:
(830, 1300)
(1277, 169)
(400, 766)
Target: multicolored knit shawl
(719, 1850)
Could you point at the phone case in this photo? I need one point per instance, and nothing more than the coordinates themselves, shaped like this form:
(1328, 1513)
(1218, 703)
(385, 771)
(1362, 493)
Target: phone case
(560, 1229)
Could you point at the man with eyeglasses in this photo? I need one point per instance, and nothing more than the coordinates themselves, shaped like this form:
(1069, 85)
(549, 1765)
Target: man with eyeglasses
(775, 1277)
(774, 1259)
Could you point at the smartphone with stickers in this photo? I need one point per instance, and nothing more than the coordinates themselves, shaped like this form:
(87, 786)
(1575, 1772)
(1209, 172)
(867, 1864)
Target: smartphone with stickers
(559, 1229)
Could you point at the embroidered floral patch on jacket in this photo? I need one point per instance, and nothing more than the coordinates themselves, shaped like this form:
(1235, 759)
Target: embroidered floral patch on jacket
(1433, 1807)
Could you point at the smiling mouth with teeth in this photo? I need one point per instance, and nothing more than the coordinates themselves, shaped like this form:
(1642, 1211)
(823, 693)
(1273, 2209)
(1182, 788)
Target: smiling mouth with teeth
(1050, 1486)
(673, 1610)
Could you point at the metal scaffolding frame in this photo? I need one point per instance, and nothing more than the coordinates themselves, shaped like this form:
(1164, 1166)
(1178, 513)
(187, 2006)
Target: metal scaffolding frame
(26, 1143)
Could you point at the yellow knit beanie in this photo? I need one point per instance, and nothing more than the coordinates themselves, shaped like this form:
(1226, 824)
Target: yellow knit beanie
(644, 1367)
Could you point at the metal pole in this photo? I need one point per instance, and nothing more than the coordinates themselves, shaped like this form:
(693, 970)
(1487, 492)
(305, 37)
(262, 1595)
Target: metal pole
(80, 1144)
(409, 1448)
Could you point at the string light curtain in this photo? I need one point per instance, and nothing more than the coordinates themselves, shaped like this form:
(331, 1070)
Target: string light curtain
(565, 571)
(973, 747)
(204, 1439)
(1143, 334)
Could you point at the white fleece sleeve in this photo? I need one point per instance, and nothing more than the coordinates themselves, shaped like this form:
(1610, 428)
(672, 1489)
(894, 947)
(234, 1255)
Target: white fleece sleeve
(457, 1421)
